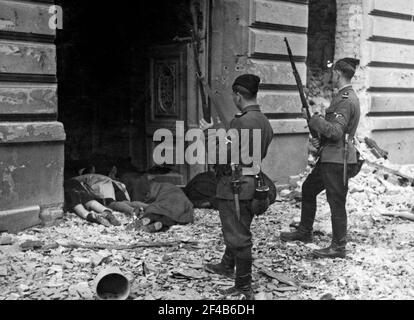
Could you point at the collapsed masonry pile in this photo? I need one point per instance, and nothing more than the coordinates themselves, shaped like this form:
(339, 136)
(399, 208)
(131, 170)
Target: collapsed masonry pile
(381, 188)
(320, 84)
(378, 192)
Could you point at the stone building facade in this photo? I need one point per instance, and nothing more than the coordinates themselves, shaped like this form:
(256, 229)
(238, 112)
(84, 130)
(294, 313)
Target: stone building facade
(381, 34)
(31, 139)
(240, 36)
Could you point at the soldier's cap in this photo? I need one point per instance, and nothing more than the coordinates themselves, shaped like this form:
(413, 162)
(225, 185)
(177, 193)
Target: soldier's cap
(248, 81)
(347, 65)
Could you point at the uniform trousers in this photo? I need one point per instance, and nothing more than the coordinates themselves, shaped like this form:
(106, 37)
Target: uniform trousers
(329, 177)
(237, 235)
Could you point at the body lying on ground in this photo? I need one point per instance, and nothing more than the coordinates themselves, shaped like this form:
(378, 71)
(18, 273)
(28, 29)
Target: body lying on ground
(165, 203)
(153, 206)
(94, 197)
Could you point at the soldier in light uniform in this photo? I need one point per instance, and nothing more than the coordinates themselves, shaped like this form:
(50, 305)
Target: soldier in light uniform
(236, 230)
(341, 121)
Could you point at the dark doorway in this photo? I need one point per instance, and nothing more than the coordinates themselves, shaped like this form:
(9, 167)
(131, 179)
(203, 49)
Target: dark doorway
(321, 47)
(103, 63)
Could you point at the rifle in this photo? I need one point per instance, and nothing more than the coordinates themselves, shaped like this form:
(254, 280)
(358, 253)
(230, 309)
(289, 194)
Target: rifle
(196, 45)
(299, 84)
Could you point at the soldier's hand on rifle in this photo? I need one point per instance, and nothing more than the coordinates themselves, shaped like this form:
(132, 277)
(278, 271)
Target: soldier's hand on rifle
(316, 114)
(204, 125)
(316, 143)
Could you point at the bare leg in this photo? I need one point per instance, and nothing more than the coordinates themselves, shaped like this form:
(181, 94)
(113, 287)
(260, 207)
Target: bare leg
(81, 211)
(106, 213)
(93, 217)
(96, 206)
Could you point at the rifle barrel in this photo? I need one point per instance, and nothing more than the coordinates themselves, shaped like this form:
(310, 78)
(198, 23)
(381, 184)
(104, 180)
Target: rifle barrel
(299, 84)
(195, 44)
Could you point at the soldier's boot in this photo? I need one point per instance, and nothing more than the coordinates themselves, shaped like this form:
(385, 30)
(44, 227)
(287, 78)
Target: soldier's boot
(242, 288)
(301, 235)
(243, 284)
(225, 267)
(338, 245)
(331, 252)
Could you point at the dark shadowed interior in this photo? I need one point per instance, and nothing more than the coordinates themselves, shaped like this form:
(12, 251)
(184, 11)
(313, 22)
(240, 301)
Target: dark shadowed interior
(321, 46)
(103, 65)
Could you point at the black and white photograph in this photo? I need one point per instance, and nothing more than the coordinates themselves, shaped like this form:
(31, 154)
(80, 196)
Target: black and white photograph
(202, 155)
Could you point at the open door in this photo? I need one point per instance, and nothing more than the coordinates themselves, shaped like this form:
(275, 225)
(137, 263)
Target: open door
(168, 100)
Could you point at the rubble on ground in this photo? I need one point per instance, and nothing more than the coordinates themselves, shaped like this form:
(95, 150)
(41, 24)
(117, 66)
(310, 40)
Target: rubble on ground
(373, 190)
(380, 188)
(61, 262)
(379, 266)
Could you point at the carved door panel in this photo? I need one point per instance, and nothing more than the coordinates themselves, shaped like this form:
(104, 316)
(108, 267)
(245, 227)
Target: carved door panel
(168, 103)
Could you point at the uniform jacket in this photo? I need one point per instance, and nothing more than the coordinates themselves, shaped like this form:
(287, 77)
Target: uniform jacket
(251, 118)
(342, 117)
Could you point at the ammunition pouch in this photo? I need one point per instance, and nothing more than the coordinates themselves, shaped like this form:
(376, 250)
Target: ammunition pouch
(261, 201)
(360, 163)
(259, 207)
(261, 193)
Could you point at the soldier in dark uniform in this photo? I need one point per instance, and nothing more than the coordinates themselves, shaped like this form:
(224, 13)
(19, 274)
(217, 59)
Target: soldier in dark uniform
(341, 120)
(236, 233)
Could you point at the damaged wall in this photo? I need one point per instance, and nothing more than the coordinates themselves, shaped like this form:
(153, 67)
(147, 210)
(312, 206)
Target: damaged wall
(381, 34)
(321, 48)
(335, 32)
(349, 43)
(31, 140)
